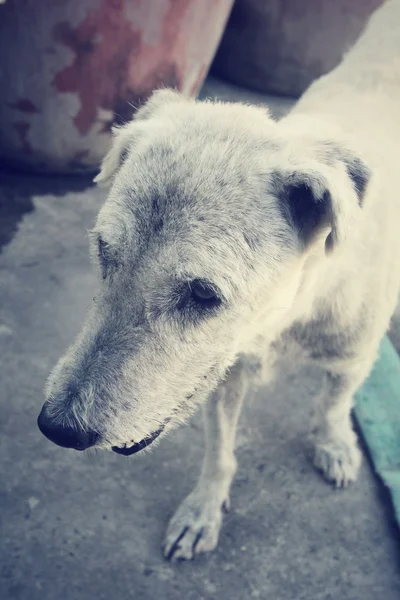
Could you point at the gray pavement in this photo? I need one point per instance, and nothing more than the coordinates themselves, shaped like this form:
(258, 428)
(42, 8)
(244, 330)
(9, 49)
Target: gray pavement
(82, 527)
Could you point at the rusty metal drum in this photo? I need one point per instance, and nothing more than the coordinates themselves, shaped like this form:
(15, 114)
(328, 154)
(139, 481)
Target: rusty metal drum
(71, 69)
(281, 46)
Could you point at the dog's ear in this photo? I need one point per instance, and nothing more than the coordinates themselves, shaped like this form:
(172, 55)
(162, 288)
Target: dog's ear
(124, 137)
(323, 198)
(159, 99)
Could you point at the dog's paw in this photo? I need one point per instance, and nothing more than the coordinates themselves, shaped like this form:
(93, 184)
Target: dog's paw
(338, 459)
(194, 528)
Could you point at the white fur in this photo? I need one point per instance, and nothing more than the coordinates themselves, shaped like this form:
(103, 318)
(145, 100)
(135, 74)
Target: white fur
(362, 98)
(216, 168)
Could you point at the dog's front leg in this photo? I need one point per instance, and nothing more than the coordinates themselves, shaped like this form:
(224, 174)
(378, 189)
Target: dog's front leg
(334, 445)
(195, 526)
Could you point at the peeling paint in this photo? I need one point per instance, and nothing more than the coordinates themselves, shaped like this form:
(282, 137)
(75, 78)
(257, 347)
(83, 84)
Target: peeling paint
(101, 44)
(22, 128)
(112, 67)
(91, 65)
(24, 105)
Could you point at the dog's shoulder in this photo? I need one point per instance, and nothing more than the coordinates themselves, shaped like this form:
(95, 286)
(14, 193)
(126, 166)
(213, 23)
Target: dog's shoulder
(324, 337)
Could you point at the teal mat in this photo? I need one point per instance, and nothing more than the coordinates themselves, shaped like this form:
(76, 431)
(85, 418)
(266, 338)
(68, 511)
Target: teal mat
(377, 411)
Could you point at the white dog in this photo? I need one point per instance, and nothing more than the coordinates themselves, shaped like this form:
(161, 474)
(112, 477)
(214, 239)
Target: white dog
(229, 240)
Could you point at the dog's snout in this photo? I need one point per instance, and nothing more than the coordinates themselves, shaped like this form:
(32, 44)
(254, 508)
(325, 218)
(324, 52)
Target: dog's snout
(63, 435)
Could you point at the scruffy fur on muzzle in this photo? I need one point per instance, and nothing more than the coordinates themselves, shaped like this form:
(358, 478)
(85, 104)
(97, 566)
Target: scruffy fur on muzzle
(229, 241)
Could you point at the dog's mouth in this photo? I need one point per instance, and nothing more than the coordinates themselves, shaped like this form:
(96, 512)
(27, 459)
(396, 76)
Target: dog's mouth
(129, 448)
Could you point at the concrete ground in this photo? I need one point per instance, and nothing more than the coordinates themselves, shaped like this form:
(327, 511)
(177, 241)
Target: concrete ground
(82, 527)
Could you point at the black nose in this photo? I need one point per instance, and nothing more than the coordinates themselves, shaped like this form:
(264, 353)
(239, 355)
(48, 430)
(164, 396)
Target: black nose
(63, 435)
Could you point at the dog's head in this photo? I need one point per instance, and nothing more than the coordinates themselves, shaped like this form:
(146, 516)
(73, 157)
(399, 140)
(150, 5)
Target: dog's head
(200, 247)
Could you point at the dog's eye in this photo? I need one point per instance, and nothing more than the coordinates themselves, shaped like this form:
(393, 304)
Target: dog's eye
(198, 295)
(203, 293)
